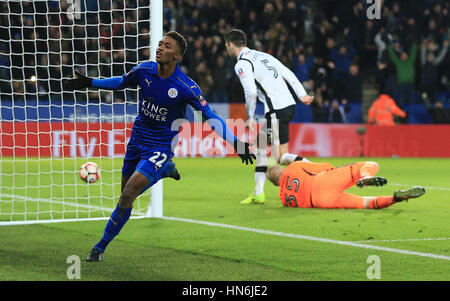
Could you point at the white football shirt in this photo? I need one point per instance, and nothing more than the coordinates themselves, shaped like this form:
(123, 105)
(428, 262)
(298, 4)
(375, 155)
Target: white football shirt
(265, 78)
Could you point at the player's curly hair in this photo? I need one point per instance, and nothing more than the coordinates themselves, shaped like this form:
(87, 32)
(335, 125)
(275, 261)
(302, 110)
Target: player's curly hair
(237, 37)
(181, 41)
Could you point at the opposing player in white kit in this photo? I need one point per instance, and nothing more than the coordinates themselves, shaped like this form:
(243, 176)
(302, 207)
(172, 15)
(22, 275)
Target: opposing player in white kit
(265, 78)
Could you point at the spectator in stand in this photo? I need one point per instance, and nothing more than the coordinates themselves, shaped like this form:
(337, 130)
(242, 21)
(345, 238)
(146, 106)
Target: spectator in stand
(432, 31)
(352, 85)
(387, 77)
(383, 110)
(317, 108)
(18, 90)
(380, 41)
(4, 72)
(320, 78)
(323, 42)
(341, 57)
(439, 113)
(429, 71)
(284, 26)
(202, 75)
(221, 76)
(302, 66)
(405, 67)
(336, 112)
(369, 48)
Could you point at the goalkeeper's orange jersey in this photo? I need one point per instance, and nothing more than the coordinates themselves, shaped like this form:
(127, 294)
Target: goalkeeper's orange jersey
(296, 182)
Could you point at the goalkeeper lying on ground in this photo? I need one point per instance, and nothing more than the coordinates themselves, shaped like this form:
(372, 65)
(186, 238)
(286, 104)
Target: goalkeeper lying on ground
(321, 185)
(165, 91)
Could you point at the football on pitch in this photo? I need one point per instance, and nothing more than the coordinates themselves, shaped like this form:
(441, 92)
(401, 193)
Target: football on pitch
(89, 172)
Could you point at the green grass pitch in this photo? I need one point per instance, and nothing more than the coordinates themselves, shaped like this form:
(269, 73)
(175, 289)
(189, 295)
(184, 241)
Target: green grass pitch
(210, 190)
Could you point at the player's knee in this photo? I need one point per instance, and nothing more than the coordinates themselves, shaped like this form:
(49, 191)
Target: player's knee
(129, 194)
(123, 183)
(261, 159)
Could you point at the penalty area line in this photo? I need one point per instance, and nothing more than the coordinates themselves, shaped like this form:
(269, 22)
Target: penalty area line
(310, 238)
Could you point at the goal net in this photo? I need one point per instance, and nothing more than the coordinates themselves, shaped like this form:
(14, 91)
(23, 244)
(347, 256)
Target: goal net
(46, 134)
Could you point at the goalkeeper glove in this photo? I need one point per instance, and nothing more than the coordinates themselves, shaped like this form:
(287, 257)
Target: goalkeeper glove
(242, 149)
(77, 83)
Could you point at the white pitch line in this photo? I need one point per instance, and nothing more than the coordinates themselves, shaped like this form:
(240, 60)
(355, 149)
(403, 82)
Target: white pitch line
(404, 239)
(311, 238)
(261, 231)
(22, 198)
(426, 187)
(67, 220)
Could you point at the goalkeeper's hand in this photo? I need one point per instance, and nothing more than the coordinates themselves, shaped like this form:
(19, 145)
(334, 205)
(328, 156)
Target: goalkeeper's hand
(77, 83)
(242, 149)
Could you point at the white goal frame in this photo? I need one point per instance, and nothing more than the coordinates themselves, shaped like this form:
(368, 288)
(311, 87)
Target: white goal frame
(155, 207)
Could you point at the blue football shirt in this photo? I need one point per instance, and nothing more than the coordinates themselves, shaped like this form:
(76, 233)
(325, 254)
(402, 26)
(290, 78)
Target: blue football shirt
(162, 101)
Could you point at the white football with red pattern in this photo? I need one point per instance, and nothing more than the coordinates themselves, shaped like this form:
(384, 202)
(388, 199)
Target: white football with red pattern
(89, 172)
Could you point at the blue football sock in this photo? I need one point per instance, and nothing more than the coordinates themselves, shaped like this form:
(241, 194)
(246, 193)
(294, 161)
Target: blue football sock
(118, 219)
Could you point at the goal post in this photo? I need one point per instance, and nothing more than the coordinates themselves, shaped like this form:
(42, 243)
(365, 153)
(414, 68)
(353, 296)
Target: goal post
(46, 134)
(155, 208)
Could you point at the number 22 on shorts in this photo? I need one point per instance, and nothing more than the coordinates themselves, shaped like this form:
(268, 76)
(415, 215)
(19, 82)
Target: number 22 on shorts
(158, 159)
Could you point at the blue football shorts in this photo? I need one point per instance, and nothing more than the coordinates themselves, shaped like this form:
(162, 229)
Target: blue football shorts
(153, 163)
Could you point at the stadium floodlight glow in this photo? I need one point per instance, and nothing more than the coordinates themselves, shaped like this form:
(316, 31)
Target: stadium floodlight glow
(47, 134)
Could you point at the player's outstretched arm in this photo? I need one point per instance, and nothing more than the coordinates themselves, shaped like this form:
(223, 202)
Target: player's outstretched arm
(244, 71)
(299, 90)
(241, 148)
(243, 151)
(198, 102)
(80, 81)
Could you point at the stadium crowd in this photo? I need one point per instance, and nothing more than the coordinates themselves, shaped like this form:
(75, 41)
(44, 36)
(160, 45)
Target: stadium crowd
(332, 47)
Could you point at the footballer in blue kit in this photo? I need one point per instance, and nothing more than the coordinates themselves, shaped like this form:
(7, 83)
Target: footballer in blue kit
(164, 93)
